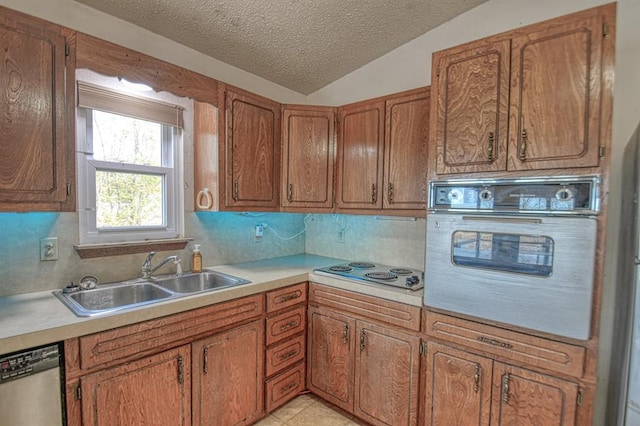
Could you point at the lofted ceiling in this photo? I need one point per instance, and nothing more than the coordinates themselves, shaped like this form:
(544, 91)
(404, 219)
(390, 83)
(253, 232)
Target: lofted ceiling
(299, 44)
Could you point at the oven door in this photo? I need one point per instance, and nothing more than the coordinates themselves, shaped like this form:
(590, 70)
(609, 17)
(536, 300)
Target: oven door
(532, 272)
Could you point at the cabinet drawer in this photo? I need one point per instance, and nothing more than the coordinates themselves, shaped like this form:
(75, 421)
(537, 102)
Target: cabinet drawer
(286, 324)
(534, 351)
(284, 387)
(133, 341)
(285, 354)
(286, 297)
(388, 311)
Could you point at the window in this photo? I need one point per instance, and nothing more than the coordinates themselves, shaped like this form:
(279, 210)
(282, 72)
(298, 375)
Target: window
(128, 167)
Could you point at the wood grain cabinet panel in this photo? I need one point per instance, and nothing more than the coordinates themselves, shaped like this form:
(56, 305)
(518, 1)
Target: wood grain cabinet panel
(37, 104)
(154, 390)
(284, 387)
(285, 354)
(308, 153)
(252, 153)
(286, 324)
(286, 297)
(228, 377)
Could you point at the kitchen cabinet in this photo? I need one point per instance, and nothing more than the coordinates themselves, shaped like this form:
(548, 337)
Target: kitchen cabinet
(477, 374)
(382, 154)
(153, 390)
(529, 99)
(251, 152)
(463, 388)
(37, 165)
(308, 153)
(286, 348)
(369, 369)
(228, 376)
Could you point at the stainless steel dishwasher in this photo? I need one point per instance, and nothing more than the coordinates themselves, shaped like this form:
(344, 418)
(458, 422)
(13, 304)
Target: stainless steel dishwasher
(31, 387)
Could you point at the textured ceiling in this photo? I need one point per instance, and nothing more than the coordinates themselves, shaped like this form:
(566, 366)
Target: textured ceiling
(299, 44)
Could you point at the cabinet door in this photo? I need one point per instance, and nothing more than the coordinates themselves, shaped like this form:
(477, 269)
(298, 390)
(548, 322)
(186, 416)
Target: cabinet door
(252, 151)
(522, 397)
(330, 360)
(405, 151)
(155, 390)
(360, 156)
(457, 387)
(36, 165)
(307, 158)
(228, 377)
(555, 97)
(470, 98)
(386, 376)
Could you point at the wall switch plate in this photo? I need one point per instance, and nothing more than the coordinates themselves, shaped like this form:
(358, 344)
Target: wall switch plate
(49, 248)
(340, 235)
(259, 233)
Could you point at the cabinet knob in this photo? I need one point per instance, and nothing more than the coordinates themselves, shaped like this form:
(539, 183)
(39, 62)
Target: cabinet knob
(374, 193)
(522, 150)
(390, 192)
(290, 193)
(490, 147)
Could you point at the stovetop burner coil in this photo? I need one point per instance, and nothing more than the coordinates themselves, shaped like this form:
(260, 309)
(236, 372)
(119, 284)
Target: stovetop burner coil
(401, 271)
(362, 265)
(341, 268)
(381, 275)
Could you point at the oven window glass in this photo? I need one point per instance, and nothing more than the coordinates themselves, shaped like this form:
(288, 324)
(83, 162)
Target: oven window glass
(522, 254)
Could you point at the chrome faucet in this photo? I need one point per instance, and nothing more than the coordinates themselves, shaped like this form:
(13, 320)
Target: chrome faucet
(147, 269)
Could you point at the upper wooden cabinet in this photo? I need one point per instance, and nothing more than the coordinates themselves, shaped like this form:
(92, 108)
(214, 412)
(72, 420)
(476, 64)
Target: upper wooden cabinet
(252, 151)
(308, 153)
(382, 154)
(524, 100)
(36, 133)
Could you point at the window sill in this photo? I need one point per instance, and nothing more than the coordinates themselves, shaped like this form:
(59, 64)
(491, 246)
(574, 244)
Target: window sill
(88, 251)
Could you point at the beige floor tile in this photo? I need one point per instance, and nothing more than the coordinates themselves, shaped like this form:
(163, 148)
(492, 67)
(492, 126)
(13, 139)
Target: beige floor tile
(270, 421)
(293, 407)
(318, 414)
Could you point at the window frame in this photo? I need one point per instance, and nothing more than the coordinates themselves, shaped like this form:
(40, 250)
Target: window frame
(170, 171)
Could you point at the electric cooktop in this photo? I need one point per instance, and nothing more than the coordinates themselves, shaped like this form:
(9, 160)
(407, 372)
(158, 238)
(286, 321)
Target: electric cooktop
(381, 274)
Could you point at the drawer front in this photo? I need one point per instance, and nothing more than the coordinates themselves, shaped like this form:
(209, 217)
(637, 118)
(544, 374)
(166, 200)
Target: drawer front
(286, 324)
(285, 354)
(286, 297)
(531, 350)
(284, 387)
(133, 341)
(383, 310)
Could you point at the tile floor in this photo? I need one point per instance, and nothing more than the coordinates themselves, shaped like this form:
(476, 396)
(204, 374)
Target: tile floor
(308, 410)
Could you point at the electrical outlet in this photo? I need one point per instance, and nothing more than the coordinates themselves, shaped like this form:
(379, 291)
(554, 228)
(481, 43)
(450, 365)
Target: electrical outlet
(49, 248)
(340, 235)
(258, 233)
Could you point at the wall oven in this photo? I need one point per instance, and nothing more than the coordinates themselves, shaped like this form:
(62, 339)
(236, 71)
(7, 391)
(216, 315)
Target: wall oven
(515, 251)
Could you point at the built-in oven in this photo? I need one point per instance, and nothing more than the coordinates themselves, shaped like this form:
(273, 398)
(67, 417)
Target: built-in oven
(515, 251)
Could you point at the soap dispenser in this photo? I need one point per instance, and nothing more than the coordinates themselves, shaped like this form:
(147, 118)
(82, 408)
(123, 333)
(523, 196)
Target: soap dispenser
(196, 259)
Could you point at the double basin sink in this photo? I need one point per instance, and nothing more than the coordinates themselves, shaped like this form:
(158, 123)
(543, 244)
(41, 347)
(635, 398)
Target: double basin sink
(129, 294)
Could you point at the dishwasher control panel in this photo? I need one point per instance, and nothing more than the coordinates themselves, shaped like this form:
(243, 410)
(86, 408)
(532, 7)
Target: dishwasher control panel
(18, 365)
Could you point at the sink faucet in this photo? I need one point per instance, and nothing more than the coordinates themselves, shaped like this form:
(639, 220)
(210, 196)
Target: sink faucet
(147, 269)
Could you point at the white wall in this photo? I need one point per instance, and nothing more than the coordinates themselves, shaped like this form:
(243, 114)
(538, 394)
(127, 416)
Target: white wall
(91, 21)
(409, 67)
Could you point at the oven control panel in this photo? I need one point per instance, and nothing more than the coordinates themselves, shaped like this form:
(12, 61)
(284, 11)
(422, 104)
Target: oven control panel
(554, 195)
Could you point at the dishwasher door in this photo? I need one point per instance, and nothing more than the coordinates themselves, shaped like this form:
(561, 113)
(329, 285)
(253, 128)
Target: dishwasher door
(30, 388)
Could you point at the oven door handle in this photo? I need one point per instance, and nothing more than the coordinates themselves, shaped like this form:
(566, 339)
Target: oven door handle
(502, 219)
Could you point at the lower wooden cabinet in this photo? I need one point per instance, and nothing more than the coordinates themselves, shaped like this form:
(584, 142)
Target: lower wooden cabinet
(228, 376)
(467, 389)
(154, 390)
(368, 369)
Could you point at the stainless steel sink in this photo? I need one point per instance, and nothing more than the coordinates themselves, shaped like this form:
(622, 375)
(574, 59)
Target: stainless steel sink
(131, 294)
(195, 283)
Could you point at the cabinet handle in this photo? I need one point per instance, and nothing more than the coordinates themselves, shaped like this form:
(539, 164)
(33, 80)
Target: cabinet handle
(476, 378)
(288, 387)
(505, 388)
(288, 297)
(490, 147)
(205, 360)
(345, 333)
(494, 342)
(522, 150)
(390, 192)
(208, 198)
(180, 369)
(288, 325)
(235, 190)
(374, 193)
(288, 355)
(362, 345)
(290, 193)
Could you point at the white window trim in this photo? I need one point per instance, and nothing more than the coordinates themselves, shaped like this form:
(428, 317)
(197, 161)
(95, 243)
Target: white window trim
(86, 168)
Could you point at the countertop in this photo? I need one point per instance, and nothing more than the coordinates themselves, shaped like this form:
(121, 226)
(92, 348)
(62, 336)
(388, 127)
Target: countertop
(34, 319)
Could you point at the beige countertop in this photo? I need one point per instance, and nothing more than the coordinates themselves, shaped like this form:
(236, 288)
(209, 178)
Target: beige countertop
(34, 319)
